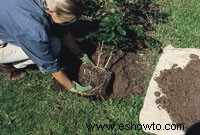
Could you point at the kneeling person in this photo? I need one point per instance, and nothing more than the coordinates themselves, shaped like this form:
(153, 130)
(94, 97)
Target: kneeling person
(26, 37)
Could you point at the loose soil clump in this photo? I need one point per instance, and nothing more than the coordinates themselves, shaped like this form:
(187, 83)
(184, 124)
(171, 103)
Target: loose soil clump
(181, 92)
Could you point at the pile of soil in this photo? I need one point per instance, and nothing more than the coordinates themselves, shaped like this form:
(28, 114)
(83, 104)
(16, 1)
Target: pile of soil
(130, 73)
(181, 92)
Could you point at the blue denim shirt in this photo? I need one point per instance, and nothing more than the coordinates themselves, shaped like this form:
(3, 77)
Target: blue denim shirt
(23, 23)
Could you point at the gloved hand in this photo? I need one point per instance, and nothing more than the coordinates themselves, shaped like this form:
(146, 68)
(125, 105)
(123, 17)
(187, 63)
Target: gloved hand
(76, 88)
(85, 59)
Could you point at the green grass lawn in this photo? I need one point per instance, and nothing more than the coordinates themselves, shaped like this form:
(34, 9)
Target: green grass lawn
(183, 26)
(31, 107)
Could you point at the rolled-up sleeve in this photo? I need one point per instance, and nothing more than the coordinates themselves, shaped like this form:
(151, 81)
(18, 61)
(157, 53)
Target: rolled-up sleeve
(36, 44)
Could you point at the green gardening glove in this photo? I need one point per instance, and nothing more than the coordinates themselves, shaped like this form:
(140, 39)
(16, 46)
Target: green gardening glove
(76, 88)
(85, 59)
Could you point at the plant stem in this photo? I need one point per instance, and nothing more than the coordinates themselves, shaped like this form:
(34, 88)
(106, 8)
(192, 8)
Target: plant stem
(100, 53)
(108, 61)
(111, 54)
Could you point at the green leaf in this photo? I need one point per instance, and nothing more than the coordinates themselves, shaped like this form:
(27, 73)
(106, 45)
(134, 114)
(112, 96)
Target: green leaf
(121, 31)
(106, 19)
(112, 35)
(103, 24)
(139, 31)
(115, 42)
(136, 1)
(131, 27)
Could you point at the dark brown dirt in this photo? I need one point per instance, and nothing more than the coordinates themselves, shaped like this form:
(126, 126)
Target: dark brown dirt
(157, 94)
(130, 74)
(181, 89)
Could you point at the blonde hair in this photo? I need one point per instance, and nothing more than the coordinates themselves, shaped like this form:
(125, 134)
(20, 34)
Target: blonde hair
(68, 10)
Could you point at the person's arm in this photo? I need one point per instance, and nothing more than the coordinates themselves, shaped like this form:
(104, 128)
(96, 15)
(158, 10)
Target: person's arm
(39, 53)
(68, 41)
(72, 86)
(62, 78)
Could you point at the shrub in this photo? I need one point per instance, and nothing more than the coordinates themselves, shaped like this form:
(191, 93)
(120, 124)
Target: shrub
(120, 21)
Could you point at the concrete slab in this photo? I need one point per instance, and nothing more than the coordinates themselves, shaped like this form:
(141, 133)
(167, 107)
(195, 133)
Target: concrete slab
(151, 113)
